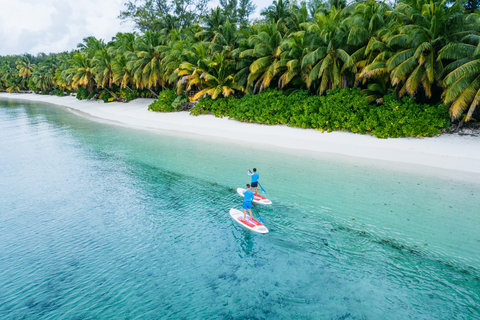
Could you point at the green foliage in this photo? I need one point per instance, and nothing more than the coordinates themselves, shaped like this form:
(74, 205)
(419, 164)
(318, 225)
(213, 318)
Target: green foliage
(179, 102)
(428, 50)
(167, 101)
(59, 93)
(340, 109)
(128, 95)
(106, 96)
(156, 15)
(84, 94)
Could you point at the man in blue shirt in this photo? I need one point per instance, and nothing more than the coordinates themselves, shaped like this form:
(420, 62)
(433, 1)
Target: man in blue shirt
(247, 202)
(255, 177)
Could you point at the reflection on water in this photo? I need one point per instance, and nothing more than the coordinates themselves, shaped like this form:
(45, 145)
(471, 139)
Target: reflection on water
(99, 221)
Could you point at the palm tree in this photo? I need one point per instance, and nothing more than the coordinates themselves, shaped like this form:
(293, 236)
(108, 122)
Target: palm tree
(462, 83)
(62, 78)
(122, 44)
(293, 51)
(366, 23)
(43, 76)
(122, 75)
(103, 68)
(212, 76)
(279, 10)
(90, 46)
(364, 20)
(423, 29)
(242, 63)
(145, 63)
(212, 24)
(24, 67)
(267, 52)
(326, 62)
(225, 39)
(81, 72)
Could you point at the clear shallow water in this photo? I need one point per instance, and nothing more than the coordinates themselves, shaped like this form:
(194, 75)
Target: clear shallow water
(98, 222)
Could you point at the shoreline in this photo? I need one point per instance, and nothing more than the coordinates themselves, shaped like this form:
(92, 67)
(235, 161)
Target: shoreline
(448, 151)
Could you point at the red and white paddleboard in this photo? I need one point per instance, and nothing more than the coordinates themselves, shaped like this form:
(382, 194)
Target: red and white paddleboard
(256, 197)
(249, 223)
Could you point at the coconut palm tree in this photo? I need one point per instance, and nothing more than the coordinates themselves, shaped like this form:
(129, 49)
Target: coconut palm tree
(62, 78)
(24, 67)
(81, 72)
(462, 83)
(212, 21)
(279, 10)
(225, 39)
(145, 62)
(423, 28)
(267, 53)
(212, 76)
(326, 61)
(44, 77)
(293, 51)
(90, 46)
(122, 75)
(103, 68)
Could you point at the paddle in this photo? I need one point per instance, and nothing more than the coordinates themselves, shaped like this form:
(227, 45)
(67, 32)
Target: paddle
(255, 209)
(261, 188)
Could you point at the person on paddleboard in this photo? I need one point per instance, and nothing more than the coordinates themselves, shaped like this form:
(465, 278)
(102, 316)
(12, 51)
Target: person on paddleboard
(255, 177)
(247, 202)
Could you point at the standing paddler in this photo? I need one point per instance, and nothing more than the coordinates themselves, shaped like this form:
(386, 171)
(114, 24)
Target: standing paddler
(247, 202)
(255, 177)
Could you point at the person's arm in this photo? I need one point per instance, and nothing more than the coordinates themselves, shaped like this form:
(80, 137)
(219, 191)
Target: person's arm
(249, 172)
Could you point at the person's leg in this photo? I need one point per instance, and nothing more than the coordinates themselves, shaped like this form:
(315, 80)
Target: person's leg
(254, 187)
(250, 211)
(244, 214)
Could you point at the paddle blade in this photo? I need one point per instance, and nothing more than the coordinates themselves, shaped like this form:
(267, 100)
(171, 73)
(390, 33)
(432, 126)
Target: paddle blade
(263, 190)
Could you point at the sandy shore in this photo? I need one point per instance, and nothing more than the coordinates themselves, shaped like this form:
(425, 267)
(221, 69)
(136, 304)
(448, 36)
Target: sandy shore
(453, 152)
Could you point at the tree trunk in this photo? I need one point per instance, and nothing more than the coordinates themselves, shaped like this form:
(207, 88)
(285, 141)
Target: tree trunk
(90, 87)
(153, 92)
(115, 96)
(460, 124)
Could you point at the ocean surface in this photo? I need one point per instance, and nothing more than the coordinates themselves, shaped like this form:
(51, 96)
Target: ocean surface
(98, 221)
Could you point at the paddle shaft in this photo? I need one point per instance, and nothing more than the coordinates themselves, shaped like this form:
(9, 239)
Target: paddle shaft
(256, 211)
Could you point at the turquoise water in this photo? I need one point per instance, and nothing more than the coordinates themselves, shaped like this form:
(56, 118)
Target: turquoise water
(103, 222)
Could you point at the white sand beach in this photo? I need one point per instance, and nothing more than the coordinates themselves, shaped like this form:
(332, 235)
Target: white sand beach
(449, 151)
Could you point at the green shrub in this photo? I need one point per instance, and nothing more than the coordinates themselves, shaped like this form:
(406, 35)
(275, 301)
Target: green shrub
(339, 109)
(84, 94)
(179, 102)
(167, 101)
(128, 95)
(106, 96)
(59, 92)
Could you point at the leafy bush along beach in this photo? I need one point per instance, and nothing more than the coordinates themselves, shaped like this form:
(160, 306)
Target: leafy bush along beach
(339, 109)
(366, 67)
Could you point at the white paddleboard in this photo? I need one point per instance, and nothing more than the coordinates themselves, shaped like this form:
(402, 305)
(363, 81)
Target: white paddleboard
(256, 197)
(249, 223)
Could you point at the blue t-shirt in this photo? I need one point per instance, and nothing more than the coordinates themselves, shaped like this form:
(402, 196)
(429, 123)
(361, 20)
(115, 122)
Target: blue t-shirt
(254, 176)
(248, 196)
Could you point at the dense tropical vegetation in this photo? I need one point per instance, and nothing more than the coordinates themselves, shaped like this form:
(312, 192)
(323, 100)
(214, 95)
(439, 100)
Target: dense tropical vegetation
(428, 51)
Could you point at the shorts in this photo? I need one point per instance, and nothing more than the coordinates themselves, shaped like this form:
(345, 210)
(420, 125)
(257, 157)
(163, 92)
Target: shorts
(254, 184)
(247, 205)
